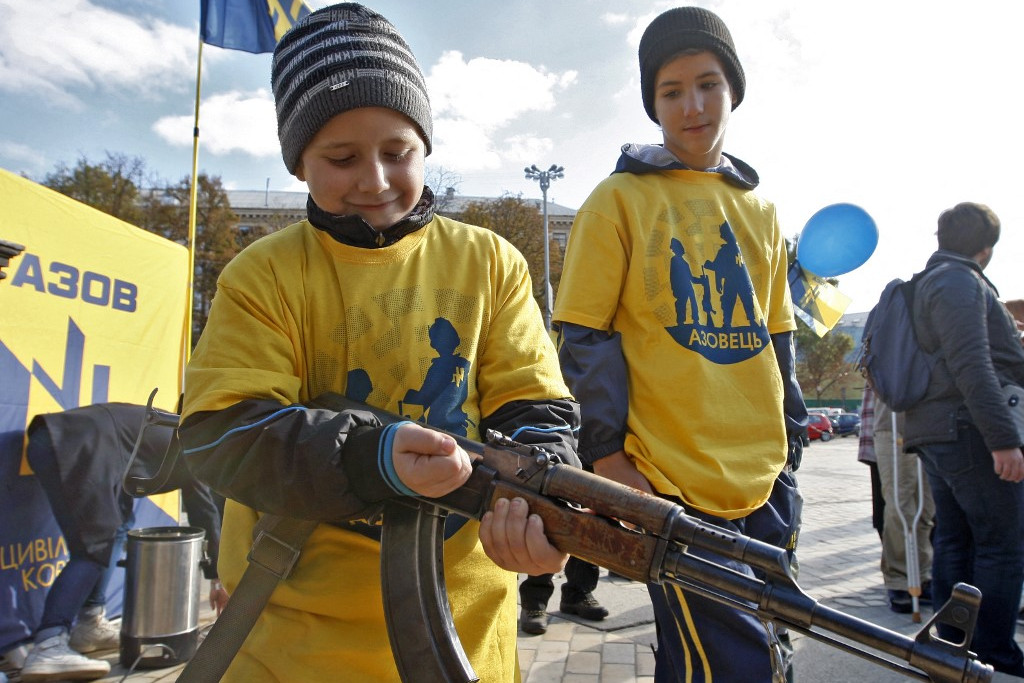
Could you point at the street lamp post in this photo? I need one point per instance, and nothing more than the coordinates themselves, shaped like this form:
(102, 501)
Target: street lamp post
(545, 178)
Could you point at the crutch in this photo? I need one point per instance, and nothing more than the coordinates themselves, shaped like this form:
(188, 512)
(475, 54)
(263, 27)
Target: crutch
(909, 530)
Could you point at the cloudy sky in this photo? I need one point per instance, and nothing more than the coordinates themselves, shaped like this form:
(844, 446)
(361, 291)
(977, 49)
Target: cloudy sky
(904, 107)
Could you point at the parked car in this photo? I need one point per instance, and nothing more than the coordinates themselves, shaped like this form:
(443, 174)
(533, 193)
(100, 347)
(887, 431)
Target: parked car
(847, 424)
(831, 413)
(819, 427)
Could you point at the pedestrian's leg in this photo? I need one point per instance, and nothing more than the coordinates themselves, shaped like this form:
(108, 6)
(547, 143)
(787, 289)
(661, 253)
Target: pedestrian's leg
(580, 576)
(898, 513)
(781, 633)
(52, 657)
(577, 591)
(951, 541)
(995, 513)
(702, 639)
(78, 578)
(916, 501)
(877, 501)
(534, 593)
(978, 530)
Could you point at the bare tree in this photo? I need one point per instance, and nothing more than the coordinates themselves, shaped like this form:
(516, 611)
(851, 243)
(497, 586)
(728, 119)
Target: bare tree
(445, 184)
(821, 361)
(116, 186)
(518, 221)
(112, 186)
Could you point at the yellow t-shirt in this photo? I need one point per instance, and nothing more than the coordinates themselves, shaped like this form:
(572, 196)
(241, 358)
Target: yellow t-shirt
(691, 270)
(441, 327)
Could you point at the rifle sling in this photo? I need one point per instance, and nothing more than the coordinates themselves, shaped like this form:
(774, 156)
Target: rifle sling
(274, 553)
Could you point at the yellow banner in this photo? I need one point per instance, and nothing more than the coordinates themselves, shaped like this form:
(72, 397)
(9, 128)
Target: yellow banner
(92, 311)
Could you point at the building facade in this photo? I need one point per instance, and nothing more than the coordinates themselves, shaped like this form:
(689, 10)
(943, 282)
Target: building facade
(272, 210)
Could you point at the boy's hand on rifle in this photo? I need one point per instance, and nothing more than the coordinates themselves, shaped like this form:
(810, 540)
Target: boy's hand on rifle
(429, 462)
(514, 539)
(618, 467)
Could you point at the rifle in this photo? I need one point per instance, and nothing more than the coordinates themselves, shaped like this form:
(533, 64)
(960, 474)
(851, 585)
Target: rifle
(586, 515)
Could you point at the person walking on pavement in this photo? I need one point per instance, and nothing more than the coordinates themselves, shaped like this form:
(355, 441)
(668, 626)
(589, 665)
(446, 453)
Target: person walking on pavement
(898, 482)
(866, 454)
(965, 434)
(577, 596)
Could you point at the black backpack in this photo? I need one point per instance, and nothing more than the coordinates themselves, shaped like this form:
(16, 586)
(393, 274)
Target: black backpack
(891, 359)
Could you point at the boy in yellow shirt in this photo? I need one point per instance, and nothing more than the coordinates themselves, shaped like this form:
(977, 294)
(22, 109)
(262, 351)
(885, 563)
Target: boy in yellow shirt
(376, 297)
(694, 402)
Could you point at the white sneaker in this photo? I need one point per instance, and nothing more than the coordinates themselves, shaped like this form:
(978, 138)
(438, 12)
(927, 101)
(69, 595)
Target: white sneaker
(95, 633)
(15, 657)
(53, 660)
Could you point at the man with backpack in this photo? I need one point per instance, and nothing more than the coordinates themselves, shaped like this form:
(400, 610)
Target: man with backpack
(964, 432)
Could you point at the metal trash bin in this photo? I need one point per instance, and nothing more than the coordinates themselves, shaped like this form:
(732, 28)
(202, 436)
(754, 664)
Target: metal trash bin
(162, 582)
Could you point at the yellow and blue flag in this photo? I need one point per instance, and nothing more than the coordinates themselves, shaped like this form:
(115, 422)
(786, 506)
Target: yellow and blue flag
(250, 25)
(815, 300)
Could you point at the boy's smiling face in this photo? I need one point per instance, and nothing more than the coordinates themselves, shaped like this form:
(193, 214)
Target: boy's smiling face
(693, 100)
(368, 162)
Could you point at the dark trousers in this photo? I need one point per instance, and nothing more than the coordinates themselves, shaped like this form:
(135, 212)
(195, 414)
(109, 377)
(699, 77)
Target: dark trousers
(580, 578)
(82, 582)
(979, 527)
(701, 639)
(877, 501)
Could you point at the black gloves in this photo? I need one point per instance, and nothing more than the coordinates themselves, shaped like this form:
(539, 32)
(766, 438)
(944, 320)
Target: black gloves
(796, 451)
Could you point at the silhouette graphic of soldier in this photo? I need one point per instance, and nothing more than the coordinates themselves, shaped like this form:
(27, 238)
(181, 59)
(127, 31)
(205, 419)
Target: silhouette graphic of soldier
(682, 281)
(731, 279)
(444, 388)
(359, 385)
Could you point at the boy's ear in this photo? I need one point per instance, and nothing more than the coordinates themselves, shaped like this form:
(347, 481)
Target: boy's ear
(299, 172)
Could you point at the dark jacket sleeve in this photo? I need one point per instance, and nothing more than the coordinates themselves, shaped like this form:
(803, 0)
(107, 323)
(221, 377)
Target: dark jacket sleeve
(595, 370)
(793, 407)
(952, 309)
(552, 424)
(322, 464)
(204, 512)
(289, 460)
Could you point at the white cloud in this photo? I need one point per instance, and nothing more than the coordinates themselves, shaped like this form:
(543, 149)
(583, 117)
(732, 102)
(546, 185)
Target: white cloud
(463, 144)
(61, 51)
(20, 158)
(229, 122)
(477, 103)
(615, 18)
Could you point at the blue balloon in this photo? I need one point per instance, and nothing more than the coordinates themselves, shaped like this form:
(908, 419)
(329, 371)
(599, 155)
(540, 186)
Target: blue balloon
(836, 240)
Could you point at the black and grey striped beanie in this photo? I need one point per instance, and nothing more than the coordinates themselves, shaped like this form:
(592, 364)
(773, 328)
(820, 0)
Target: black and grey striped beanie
(339, 58)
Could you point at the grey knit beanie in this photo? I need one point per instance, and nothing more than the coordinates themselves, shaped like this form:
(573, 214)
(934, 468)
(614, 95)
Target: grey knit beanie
(343, 57)
(679, 29)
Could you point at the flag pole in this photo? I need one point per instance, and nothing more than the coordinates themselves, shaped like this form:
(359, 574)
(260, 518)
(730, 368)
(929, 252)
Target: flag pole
(192, 219)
